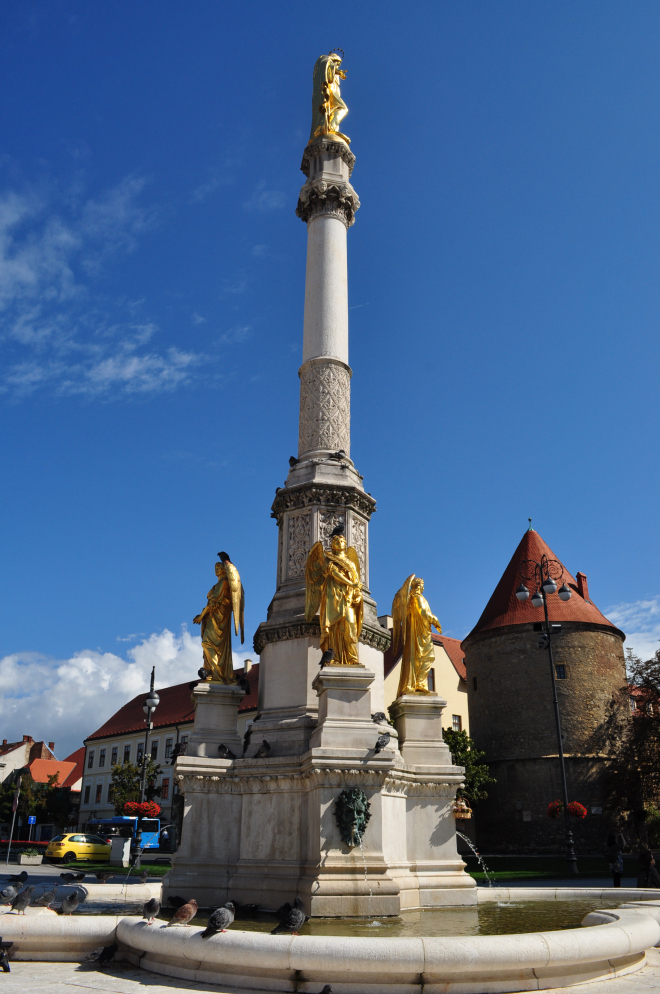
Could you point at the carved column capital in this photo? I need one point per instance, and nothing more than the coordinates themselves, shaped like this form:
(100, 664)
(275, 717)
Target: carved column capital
(322, 198)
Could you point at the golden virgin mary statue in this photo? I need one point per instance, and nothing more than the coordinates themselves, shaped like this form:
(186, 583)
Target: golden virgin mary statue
(333, 589)
(413, 620)
(328, 108)
(227, 597)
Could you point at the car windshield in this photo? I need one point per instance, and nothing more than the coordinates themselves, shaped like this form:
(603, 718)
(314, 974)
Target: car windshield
(149, 826)
(96, 840)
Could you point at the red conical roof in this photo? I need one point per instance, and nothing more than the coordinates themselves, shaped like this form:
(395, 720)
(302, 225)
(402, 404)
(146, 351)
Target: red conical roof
(504, 608)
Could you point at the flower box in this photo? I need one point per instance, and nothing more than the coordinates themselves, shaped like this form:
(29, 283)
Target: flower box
(461, 809)
(25, 860)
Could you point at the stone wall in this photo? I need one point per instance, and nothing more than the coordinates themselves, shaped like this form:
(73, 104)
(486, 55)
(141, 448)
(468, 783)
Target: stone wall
(512, 720)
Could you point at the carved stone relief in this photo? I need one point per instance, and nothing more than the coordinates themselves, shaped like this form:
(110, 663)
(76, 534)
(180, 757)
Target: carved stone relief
(359, 540)
(325, 408)
(299, 542)
(328, 521)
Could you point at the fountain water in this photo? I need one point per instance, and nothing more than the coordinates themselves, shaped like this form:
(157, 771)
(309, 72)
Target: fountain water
(479, 858)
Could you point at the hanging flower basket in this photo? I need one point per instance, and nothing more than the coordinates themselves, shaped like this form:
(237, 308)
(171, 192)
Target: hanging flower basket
(461, 808)
(145, 809)
(577, 810)
(555, 809)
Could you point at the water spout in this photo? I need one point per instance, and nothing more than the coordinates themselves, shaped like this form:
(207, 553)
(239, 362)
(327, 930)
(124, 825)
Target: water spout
(479, 859)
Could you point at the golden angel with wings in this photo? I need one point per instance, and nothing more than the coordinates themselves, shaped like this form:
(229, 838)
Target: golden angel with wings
(334, 591)
(328, 108)
(227, 597)
(413, 620)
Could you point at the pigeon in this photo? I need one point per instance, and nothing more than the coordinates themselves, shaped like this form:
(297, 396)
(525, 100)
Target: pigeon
(264, 750)
(185, 914)
(326, 990)
(292, 920)
(337, 455)
(224, 752)
(327, 657)
(68, 878)
(246, 738)
(4, 959)
(22, 900)
(46, 899)
(9, 893)
(382, 741)
(202, 673)
(379, 717)
(178, 750)
(18, 877)
(219, 920)
(339, 530)
(103, 955)
(176, 902)
(150, 910)
(80, 877)
(293, 461)
(103, 876)
(243, 683)
(143, 876)
(69, 904)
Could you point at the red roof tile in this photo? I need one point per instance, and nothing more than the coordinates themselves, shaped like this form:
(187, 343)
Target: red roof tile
(175, 708)
(41, 769)
(453, 649)
(504, 608)
(78, 758)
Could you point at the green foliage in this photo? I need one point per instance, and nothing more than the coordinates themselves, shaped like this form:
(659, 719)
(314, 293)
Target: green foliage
(477, 777)
(125, 783)
(653, 826)
(48, 801)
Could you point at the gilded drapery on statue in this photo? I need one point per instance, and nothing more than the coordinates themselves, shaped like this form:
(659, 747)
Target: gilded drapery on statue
(225, 599)
(413, 620)
(328, 108)
(333, 589)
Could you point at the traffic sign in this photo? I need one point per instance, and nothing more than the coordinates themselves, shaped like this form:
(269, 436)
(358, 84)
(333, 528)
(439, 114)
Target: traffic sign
(32, 819)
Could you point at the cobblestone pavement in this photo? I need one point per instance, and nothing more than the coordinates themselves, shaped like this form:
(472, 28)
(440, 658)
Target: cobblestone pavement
(75, 978)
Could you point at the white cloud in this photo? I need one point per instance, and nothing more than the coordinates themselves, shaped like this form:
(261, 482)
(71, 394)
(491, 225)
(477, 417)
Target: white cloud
(640, 620)
(197, 318)
(265, 200)
(236, 335)
(63, 701)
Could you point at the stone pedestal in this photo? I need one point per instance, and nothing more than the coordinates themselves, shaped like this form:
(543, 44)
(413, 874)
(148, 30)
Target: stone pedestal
(344, 721)
(418, 720)
(216, 715)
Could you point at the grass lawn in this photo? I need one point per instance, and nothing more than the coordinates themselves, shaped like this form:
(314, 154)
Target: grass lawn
(503, 868)
(153, 869)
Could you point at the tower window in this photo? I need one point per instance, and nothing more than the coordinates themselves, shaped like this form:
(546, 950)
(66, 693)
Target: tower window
(474, 683)
(560, 671)
(456, 722)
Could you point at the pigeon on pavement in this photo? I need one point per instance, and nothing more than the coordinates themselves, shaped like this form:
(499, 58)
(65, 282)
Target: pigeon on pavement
(176, 902)
(45, 899)
(294, 919)
(382, 741)
(143, 876)
(378, 717)
(18, 877)
(185, 914)
(103, 876)
(79, 877)
(220, 920)
(10, 892)
(103, 955)
(224, 752)
(69, 904)
(68, 878)
(150, 910)
(22, 900)
(264, 750)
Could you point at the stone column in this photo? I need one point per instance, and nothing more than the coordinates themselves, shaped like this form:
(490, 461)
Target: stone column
(216, 714)
(418, 720)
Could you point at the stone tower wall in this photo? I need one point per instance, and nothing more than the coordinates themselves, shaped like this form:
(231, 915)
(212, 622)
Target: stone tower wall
(512, 720)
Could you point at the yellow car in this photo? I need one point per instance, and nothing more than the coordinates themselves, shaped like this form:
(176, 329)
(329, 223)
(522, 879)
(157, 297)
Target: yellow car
(69, 848)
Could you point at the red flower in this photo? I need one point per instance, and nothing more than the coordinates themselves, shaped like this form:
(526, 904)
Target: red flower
(555, 809)
(144, 809)
(577, 810)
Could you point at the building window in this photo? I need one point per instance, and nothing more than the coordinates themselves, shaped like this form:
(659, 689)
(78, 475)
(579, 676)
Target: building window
(560, 671)
(90, 759)
(87, 793)
(99, 791)
(456, 723)
(110, 792)
(165, 789)
(127, 754)
(184, 744)
(431, 680)
(154, 751)
(168, 748)
(474, 683)
(101, 758)
(113, 756)
(140, 752)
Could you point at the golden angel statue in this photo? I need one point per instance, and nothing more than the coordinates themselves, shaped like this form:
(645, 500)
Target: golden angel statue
(413, 620)
(334, 590)
(227, 597)
(328, 108)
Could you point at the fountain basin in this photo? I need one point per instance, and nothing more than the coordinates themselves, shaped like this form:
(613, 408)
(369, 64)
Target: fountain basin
(465, 965)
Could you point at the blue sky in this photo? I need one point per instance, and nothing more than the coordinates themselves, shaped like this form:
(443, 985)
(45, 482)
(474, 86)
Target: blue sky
(503, 274)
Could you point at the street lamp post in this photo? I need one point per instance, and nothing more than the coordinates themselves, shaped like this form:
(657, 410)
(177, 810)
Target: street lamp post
(150, 705)
(545, 576)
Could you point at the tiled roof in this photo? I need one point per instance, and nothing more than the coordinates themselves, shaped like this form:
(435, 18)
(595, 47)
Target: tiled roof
(453, 649)
(504, 608)
(10, 747)
(78, 759)
(41, 769)
(175, 708)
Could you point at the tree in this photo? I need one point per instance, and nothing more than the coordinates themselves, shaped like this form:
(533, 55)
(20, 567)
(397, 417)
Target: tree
(125, 783)
(48, 801)
(464, 753)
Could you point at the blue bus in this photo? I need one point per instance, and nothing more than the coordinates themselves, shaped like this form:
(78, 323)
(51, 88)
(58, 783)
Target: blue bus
(125, 826)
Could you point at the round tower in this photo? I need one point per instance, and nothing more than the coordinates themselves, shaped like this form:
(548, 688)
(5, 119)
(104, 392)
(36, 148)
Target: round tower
(511, 710)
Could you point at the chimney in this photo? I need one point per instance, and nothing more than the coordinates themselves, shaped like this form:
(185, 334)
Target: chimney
(247, 665)
(4, 742)
(51, 746)
(583, 588)
(27, 738)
